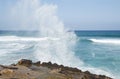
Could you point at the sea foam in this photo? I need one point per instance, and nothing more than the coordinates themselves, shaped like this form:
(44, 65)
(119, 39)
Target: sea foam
(106, 41)
(16, 38)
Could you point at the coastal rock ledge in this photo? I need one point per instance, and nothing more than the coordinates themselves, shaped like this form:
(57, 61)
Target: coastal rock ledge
(26, 69)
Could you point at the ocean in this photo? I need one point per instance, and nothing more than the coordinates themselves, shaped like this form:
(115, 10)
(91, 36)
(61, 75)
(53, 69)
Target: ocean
(96, 51)
(100, 49)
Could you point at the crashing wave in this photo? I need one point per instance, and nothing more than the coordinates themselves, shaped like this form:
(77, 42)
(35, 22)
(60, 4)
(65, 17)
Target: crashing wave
(106, 41)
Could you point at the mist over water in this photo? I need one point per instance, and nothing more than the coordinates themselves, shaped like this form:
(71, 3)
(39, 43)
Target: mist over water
(59, 51)
(32, 13)
(54, 43)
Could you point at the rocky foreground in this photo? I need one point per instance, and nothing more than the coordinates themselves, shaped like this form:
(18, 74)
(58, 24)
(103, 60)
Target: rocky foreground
(26, 69)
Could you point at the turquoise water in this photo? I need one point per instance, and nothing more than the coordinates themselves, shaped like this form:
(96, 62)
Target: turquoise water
(96, 49)
(102, 52)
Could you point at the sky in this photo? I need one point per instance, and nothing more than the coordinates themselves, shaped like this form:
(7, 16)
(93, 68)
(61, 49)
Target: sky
(75, 14)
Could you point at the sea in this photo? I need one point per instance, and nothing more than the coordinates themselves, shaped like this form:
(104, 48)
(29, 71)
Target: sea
(98, 51)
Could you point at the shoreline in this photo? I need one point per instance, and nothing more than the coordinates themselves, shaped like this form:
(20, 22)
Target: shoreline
(26, 69)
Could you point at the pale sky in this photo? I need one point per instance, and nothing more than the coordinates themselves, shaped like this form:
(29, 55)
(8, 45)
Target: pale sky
(76, 14)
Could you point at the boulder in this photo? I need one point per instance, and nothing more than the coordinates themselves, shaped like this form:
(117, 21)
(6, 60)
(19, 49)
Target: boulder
(25, 62)
(37, 63)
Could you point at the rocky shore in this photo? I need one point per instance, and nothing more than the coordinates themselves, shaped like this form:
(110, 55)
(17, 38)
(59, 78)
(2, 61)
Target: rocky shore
(26, 69)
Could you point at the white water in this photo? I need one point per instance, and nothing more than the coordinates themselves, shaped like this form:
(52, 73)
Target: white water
(49, 26)
(31, 13)
(16, 38)
(106, 41)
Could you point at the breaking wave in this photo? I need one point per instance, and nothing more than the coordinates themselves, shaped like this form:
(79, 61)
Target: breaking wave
(106, 41)
(16, 38)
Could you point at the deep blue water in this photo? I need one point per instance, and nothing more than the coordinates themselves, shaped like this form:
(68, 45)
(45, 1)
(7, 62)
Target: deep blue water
(98, 33)
(97, 49)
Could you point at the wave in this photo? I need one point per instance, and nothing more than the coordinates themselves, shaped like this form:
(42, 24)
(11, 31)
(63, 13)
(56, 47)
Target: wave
(84, 40)
(16, 38)
(106, 41)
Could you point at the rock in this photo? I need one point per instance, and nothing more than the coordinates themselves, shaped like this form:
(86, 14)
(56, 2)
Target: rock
(56, 70)
(7, 71)
(7, 67)
(1, 68)
(25, 62)
(87, 72)
(37, 63)
(72, 73)
(47, 70)
(49, 64)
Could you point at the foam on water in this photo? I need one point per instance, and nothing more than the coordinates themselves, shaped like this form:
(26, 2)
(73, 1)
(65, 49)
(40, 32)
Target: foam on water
(16, 38)
(8, 47)
(106, 41)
